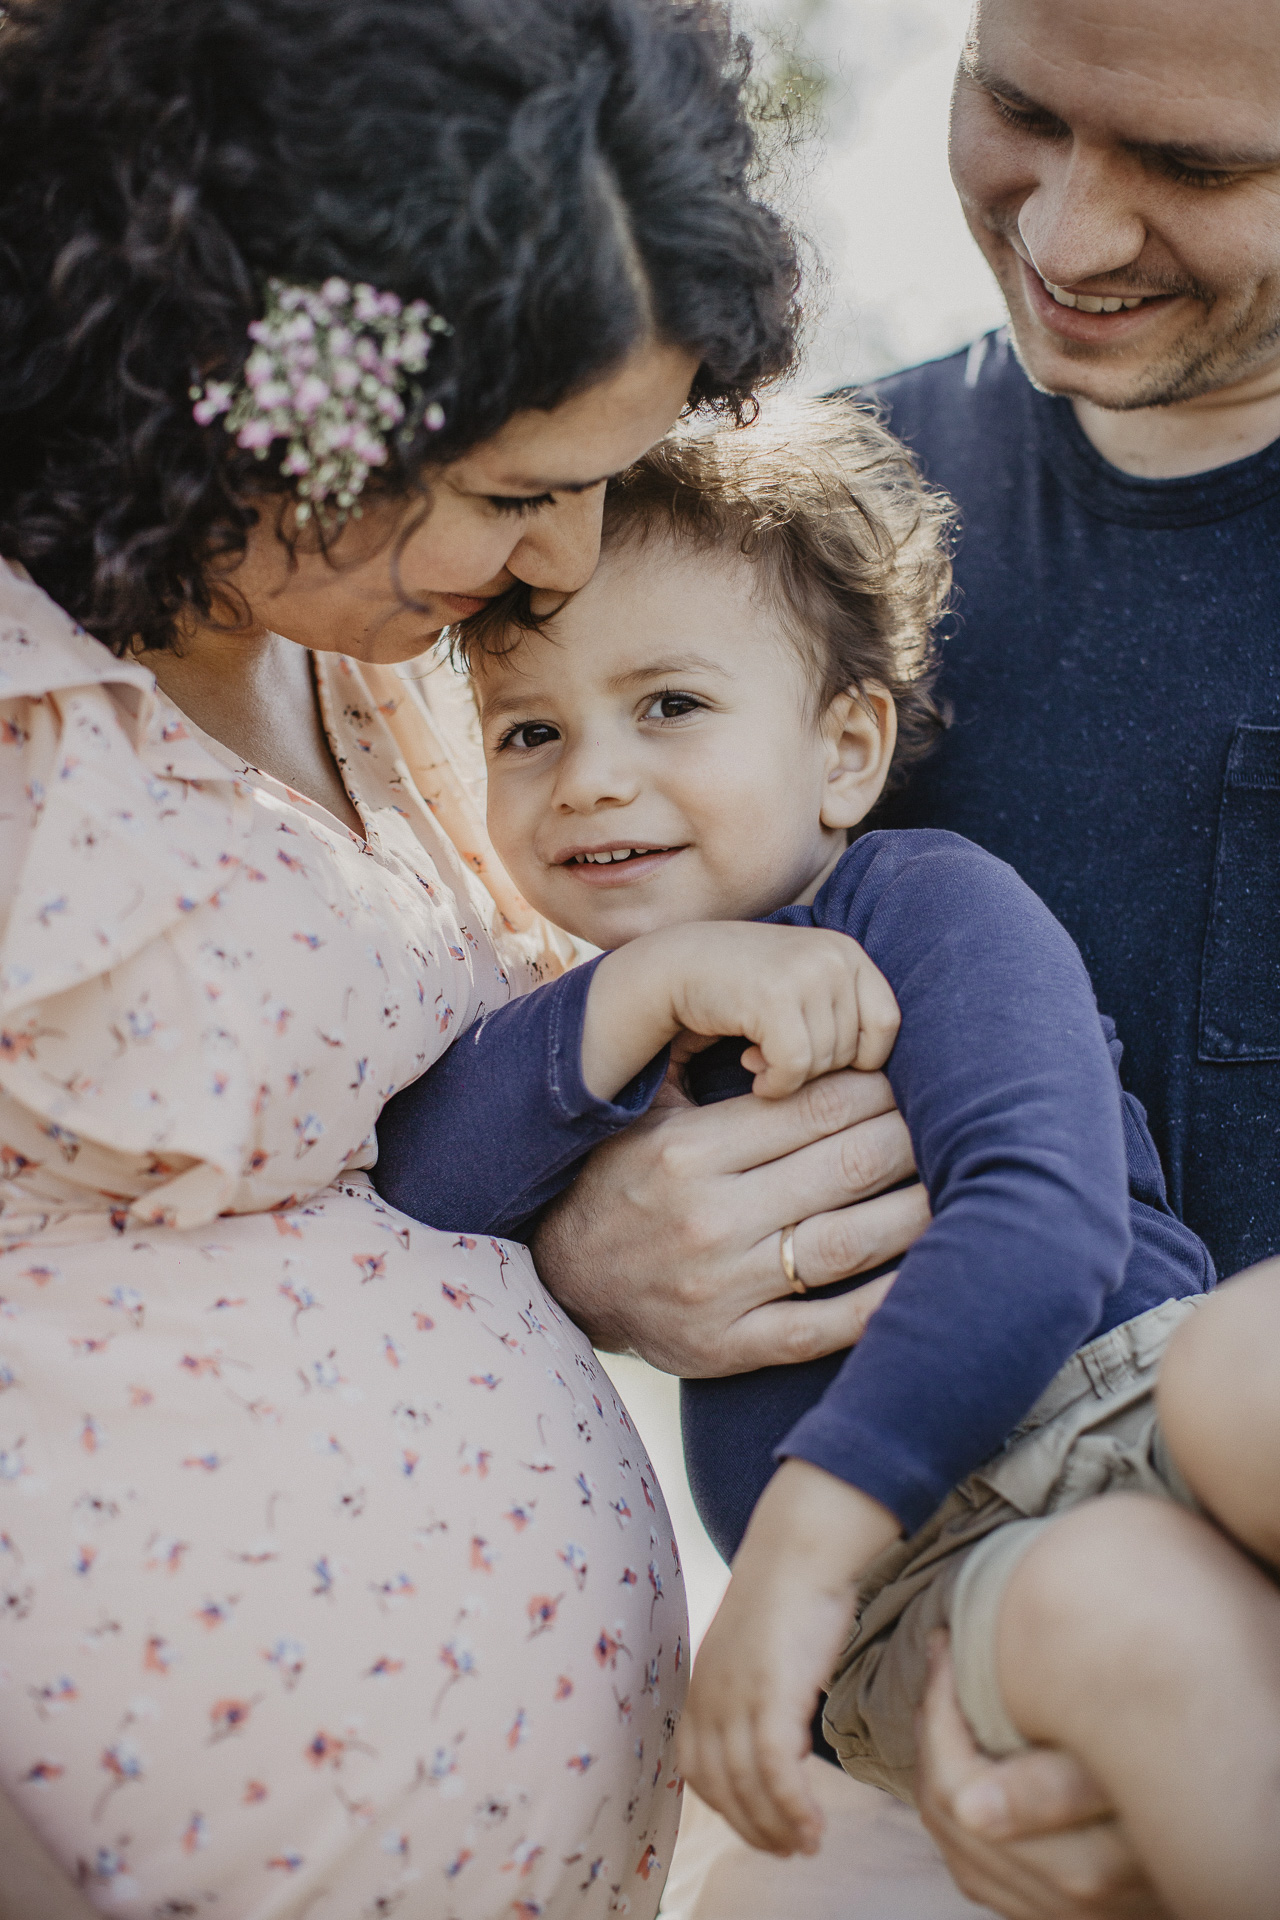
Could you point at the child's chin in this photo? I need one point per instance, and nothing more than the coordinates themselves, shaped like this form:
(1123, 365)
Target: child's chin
(620, 923)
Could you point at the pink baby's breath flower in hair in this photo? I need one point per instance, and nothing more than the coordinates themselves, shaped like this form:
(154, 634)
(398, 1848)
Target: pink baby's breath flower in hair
(255, 433)
(215, 399)
(332, 372)
(309, 394)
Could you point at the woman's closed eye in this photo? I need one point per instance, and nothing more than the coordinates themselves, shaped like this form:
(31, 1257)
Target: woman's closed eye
(520, 502)
(527, 735)
(671, 704)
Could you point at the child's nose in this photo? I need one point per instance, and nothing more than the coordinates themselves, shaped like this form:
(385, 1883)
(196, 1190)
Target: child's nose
(594, 773)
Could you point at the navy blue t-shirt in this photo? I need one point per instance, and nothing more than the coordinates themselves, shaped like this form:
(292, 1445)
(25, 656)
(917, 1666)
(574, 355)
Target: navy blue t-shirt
(1003, 1073)
(1114, 672)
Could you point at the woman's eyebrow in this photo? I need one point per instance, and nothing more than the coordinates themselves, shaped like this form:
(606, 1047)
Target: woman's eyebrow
(527, 486)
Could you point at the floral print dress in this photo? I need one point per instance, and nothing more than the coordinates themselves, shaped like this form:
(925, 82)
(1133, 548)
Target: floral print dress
(334, 1579)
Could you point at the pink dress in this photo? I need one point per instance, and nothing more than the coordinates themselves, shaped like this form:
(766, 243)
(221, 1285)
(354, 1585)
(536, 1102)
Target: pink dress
(333, 1577)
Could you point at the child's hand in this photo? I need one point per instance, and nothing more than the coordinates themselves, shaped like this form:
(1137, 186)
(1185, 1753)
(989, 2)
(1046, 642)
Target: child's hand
(809, 1000)
(770, 1650)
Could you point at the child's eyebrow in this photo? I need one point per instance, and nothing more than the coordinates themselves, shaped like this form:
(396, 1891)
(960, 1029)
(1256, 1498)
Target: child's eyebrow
(671, 669)
(525, 699)
(494, 705)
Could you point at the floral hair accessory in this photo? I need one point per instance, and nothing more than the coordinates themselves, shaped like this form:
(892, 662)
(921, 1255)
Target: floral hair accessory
(332, 373)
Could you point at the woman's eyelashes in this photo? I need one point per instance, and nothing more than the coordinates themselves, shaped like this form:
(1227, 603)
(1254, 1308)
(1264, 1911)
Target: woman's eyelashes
(520, 502)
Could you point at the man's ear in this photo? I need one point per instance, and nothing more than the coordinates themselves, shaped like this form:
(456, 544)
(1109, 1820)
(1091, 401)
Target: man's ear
(860, 730)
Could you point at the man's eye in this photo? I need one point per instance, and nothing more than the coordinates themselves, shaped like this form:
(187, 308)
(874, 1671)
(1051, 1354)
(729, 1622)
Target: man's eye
(671, 706)
(1024, 120)
(533, 733)
(1203, 179)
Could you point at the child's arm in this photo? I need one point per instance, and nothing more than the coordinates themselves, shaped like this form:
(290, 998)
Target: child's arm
(1003, 1076)
(770, 1650)
(503, 1120)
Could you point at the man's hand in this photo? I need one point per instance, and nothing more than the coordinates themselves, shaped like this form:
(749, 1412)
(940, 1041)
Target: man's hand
(667, 1244)
(1030, 1837)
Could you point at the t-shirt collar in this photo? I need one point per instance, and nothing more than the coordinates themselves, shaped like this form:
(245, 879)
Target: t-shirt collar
(1191, 500)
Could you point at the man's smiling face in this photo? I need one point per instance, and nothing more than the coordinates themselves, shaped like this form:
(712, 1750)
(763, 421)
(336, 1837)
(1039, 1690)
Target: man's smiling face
(1127, 151)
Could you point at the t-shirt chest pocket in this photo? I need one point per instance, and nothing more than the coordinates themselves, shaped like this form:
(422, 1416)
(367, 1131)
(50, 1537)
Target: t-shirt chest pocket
(1240, 973)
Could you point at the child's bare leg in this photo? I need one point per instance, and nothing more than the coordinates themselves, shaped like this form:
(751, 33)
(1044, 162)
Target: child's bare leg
(1135, 1636)
(1219, 1402)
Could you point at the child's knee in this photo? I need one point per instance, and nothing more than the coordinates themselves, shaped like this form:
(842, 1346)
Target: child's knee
(1219, 1402)
(1097, 1610)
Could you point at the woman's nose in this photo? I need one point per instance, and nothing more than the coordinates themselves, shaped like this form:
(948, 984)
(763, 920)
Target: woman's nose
(1082, 219)
(562, 545)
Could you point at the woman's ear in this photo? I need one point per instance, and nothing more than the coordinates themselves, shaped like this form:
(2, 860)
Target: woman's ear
(860, 731)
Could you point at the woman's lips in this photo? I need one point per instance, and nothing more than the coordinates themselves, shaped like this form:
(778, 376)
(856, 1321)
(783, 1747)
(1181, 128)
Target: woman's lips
(1090, 329)
(463, 605)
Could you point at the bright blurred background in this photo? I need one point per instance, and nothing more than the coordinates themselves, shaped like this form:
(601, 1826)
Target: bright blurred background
(899, 278)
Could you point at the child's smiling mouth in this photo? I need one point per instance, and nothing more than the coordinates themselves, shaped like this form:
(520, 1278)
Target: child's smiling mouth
(615, 864)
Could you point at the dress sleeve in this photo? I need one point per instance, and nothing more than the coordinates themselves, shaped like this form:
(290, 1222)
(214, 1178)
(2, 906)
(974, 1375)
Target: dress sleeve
(503, 1121)
(1002, 1074)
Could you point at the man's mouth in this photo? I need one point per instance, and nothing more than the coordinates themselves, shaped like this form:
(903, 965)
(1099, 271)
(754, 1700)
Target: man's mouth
(1089, 319)
(1096, 302)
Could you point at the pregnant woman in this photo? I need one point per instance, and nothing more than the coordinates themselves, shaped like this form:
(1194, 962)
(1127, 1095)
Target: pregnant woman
(334, 1578)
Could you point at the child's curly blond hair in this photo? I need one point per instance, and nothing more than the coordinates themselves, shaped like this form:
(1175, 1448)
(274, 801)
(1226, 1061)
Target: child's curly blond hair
(849, 544)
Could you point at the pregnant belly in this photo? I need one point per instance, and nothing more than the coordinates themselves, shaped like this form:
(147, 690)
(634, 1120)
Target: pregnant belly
(332, 1574)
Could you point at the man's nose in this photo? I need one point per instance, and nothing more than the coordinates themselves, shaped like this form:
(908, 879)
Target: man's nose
(1083, 219)
(562, 545)
(595, 772)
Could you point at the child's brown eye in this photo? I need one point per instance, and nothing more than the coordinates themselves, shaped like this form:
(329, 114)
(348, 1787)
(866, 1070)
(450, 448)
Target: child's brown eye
(672, 706)
(535, 733)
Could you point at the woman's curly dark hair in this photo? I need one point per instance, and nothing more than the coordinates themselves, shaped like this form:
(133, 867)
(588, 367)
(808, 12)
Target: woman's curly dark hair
(561, 179)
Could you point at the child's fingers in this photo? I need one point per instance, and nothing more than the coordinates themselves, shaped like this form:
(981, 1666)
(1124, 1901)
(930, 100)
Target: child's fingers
(758, 1807)
(703, 1762)
(847, 1014)
(786, 1044)
(716, 1758)
(879, 1019)
(779, 1755)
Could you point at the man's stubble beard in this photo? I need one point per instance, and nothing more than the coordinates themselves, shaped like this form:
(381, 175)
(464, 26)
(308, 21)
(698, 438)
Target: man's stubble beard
(1187, 372)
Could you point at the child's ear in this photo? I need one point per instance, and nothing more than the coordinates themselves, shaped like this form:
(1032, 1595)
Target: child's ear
(860, 730)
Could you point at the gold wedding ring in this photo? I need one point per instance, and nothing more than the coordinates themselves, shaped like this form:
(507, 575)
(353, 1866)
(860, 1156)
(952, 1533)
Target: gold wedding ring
(788, 1252)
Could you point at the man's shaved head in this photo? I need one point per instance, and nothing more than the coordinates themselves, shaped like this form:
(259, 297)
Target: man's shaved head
(1127, 151)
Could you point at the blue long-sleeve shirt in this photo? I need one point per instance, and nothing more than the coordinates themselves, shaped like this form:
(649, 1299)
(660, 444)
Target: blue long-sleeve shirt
(1003, 1074)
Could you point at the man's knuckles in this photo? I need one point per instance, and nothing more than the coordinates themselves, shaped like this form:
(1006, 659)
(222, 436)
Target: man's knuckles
(803, 1338)
(830, 1104)
(835, 1245)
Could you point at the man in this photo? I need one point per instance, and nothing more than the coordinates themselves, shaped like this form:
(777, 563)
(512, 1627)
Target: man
(1116, 464)
(1118, 616)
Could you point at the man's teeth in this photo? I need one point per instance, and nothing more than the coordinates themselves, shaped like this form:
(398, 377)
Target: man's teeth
(603, 859)
(1090, 302)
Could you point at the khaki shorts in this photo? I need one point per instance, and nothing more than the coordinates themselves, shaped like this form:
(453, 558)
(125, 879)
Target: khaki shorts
(1092, 1431)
